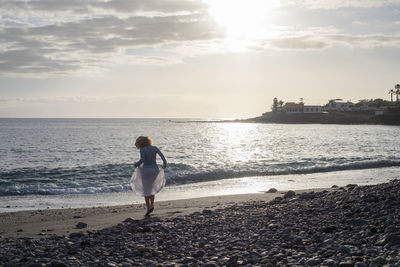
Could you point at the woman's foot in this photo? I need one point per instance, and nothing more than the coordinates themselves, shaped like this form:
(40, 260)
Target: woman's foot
(149, 211)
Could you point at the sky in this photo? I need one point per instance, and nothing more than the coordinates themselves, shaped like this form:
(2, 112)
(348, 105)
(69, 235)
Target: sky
(192, 59)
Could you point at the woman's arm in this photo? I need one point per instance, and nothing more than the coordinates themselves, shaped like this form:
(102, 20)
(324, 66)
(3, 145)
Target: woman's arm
(137, 164)
(162, 157)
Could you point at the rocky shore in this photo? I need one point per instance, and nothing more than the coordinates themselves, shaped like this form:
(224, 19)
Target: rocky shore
(349, 226)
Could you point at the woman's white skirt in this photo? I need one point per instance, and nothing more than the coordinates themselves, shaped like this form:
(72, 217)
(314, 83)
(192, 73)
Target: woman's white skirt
(147, 181)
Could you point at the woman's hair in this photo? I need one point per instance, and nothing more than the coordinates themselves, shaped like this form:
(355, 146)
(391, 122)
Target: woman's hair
(143, 141)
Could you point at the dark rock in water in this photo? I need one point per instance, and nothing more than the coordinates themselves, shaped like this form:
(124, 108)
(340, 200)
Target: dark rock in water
(289, 194)
(335, 186)
(76, 235)
(272, 190)
(81, 225)
(20, 230)
(77, 217)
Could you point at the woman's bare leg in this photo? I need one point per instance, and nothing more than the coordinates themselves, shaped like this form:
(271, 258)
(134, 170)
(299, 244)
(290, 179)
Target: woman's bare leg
(147, 199)
(152, 201)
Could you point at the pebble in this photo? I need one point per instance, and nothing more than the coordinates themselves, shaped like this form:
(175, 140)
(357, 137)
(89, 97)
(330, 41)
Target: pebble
(289, 194)
(76, 235)
(355, 226)
(81, 225)
(272, 190)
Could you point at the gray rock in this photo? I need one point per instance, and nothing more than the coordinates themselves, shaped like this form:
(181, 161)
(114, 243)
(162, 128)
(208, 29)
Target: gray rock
(329, 262)
(233, 261)
(129, 220)
(371, 251)
(272, 190)
(81, 225)
(289, 194)
(346, 264)
(360, 264)
(188, 260)
(311, 262)
(76, 235)
(358, 222)
(344, 249)
(379, 261)
(329, 229)
(57, 264)
(210, 264)
(207, 211)
(393, 239)
(199, 254)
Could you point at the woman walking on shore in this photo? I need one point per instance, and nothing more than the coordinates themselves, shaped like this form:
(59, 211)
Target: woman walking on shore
(148, 179)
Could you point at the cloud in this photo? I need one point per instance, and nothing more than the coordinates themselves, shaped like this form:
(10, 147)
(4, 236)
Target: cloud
(366, 41)
(121, 6)
(336, 4)
(79, 44)
(298, 43)
(47, 37)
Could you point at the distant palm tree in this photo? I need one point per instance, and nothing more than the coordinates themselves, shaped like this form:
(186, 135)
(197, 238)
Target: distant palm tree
(391, 93)
(397, 92)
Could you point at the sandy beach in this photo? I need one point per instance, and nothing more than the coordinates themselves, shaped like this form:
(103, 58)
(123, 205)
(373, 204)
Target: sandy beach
(343, 226)
(42, 223)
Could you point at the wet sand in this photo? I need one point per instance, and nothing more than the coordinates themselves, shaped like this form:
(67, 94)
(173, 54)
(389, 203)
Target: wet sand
(42, 223)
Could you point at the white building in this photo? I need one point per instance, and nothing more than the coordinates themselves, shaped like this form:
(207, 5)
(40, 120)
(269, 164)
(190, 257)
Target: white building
(299, 108)
(334, 105)
(312, 109)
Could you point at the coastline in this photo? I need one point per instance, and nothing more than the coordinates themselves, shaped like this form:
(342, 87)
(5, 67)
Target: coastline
(341, 118)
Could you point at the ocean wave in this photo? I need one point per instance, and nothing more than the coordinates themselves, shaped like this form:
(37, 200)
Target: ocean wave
(282, 169)
(115, 177)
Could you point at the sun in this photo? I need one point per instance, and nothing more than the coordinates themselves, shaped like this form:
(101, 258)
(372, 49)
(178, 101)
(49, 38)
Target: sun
(243, 20)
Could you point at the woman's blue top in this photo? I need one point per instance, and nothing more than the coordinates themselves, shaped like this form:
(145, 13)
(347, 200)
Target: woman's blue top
(148, 157)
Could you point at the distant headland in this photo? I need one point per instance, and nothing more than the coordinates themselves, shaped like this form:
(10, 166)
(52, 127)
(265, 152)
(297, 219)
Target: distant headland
(336, 111)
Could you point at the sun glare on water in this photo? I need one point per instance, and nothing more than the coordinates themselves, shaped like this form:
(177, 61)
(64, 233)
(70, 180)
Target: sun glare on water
(243, 20)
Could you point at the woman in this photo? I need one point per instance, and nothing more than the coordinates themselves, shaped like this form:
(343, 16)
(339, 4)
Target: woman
(148, 180)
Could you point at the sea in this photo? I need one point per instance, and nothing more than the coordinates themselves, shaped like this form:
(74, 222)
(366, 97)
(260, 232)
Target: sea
(72, 163)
